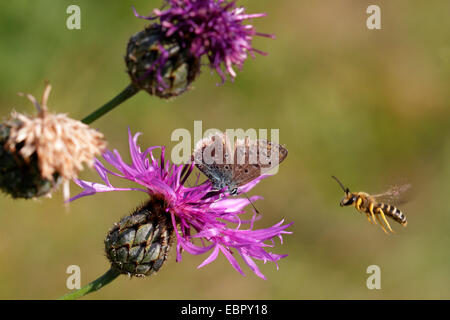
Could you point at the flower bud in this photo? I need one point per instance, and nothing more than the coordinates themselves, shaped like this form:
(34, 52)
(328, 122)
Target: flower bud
(139, 244)
(159, 64)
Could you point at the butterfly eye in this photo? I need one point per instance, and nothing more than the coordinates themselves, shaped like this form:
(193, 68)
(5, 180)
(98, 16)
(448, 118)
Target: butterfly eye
(227, 167)
(246, 170)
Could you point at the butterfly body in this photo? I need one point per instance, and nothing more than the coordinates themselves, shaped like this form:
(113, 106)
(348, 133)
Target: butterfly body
(219, 176)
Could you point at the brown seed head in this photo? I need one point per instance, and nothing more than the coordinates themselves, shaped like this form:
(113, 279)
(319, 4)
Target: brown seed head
(62, 144)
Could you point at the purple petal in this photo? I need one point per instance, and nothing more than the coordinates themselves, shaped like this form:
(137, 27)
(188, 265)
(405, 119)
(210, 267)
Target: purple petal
(252, 265)
(211, 257)
(231, 259)
(247, 187)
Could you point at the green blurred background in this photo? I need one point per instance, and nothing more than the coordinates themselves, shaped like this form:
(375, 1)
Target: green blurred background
(371, 107)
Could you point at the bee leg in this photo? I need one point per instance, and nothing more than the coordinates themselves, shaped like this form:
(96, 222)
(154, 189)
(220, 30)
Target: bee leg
(368, 218)
(381, 224)
(371, 212)
(384, 219)
(358, 204)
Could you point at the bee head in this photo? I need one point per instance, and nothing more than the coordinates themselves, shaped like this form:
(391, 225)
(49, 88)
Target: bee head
(349, 198)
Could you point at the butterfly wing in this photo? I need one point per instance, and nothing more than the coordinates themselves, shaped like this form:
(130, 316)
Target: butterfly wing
(212, 157)
(253, 158)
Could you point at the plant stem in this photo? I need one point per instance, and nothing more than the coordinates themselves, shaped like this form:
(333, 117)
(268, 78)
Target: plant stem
(127, 93)
(99, 283)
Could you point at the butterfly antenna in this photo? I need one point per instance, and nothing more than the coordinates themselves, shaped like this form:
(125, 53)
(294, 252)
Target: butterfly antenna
(256, 210)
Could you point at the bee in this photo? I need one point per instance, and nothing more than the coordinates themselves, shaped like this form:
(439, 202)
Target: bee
(378, 205)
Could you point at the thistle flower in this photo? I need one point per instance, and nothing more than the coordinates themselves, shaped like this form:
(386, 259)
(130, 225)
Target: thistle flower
(164, 58)
(198, 218)
(38, 152)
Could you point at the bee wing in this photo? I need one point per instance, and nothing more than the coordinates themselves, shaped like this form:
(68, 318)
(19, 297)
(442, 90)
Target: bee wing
(394, 195)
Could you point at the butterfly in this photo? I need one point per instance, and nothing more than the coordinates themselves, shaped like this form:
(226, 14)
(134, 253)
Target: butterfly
(228, 167)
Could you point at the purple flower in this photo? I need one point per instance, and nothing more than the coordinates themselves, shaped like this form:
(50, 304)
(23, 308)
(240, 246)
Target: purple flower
(214, 28)
(201, 217)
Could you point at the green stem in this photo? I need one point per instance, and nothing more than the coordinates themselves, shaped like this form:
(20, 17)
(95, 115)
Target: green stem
(99, 283)
(127, 93)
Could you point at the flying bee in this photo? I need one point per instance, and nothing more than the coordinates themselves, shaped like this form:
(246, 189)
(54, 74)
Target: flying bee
(378, 205)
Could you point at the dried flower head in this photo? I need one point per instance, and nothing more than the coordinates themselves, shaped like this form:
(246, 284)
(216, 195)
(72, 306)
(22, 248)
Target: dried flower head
(60, 145)
(202, 219)
(211, 28)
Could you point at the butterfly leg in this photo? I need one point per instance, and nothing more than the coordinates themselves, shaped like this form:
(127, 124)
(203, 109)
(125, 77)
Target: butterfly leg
(380, 211)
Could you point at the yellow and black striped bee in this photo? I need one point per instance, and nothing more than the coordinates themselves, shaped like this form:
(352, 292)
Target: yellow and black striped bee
(378, 205)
